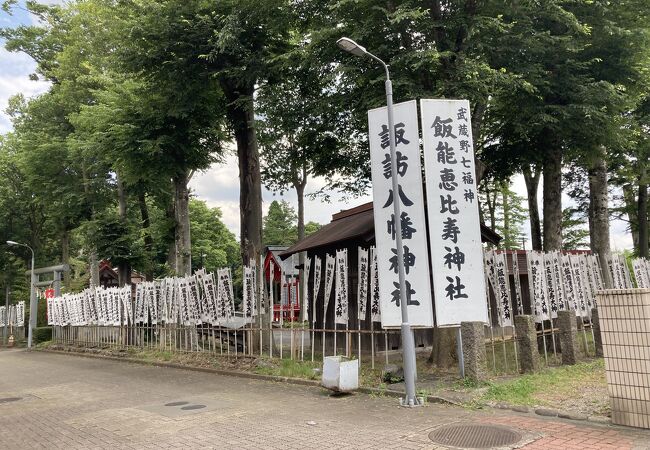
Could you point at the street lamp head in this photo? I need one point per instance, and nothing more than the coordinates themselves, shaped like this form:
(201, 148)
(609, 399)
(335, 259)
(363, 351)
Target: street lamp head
(350, 46)
(12, 243)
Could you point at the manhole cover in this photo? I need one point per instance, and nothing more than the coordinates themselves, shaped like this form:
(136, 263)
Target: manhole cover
(187, 408)
(176, 403)
(9, 399)
(474, 436)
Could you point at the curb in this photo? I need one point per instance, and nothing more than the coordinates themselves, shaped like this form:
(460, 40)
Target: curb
(547, 412)
(249, 375)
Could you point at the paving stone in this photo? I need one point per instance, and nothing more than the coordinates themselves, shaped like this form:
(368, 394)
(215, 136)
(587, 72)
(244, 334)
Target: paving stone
(83, 403)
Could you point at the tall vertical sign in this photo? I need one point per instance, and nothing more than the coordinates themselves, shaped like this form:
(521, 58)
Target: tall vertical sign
(410, 196)
(454, 226)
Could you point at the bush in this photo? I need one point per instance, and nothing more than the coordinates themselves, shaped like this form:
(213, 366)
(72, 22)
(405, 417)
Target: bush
(42, 334)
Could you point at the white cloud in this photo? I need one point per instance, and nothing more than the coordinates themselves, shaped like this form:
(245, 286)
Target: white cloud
(14, 79)
(219, 187)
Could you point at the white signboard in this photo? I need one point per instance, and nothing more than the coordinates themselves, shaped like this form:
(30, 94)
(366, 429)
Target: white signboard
(410, 196)
(454, 226)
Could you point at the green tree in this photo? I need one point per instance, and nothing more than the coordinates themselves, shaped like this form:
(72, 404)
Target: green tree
(503, 211)
(311, 227)
(575, 233)
(280, 224)
(211, 238)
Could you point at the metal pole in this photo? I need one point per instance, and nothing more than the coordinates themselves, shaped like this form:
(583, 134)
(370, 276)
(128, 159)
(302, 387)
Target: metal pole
(459, 351)
(408, 343)
(32, 304)
(6, 336)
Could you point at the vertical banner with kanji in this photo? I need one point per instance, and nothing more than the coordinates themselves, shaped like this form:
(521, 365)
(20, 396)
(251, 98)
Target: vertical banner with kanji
(362, 286)
(341, 291)
(454, 226)
(412, 220)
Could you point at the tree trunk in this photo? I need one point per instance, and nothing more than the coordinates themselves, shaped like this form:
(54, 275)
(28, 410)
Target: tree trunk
(241, 115)
(300, 193)
(532, 186)
(182, 224)
(507, 242)
(65, 256)
(93, 260)
(631, 208)
(552, 200)
(93, 263)
(148, 240)
(170, 214)
(443, 351)
(123, 267)
(599, 210)
(642, 215)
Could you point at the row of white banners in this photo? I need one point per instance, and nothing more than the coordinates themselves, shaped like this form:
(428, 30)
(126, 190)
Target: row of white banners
(193, 300)
(13, 316)
(556, 282)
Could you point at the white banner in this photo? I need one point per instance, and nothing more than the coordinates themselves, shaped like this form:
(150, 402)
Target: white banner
(504, 303)
(317, 279)
(412, 220)
(515, 271)
(581, 298)
(305, 290)
(249, 297)
(341, 295)
(375, 310)
(329, 280)
(641, 268)
(536, 280)
(454, 225)
(550, 292)
(362, 286)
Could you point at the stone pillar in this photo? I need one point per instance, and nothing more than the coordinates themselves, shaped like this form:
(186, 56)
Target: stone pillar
(598, 340)
(473, 334)
(568, 336)
(527, 342)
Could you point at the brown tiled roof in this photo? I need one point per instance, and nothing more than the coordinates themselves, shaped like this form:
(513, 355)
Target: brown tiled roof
(355, 224)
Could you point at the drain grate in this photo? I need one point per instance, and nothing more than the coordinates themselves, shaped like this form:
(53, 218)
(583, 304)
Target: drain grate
(474, 436)
(9, 399)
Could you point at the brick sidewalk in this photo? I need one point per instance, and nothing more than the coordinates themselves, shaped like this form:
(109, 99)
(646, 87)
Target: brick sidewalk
(73, 402)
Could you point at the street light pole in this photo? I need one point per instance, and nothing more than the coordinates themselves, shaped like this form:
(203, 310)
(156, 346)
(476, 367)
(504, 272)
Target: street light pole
(32, 297)
(408, 343)
(6, 335)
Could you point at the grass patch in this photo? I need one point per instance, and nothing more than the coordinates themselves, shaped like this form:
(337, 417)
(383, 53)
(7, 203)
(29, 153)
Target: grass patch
(551, 383)
(289, 368)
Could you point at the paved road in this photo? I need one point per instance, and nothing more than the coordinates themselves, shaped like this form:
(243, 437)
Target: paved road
(73, 402)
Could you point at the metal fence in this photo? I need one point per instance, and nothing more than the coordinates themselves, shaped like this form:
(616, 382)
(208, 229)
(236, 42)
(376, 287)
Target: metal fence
(372, 347)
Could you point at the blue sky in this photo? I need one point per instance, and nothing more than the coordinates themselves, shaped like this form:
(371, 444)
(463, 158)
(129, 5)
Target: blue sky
(218, 186)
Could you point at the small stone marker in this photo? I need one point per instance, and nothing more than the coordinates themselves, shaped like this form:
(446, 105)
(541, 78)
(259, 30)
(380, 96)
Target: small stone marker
(568, 336)
(527, 339)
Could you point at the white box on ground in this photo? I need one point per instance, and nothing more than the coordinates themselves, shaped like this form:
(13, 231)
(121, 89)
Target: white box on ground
(340, 373)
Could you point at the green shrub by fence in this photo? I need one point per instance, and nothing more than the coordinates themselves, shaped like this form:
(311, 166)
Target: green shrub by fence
(42, 334)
